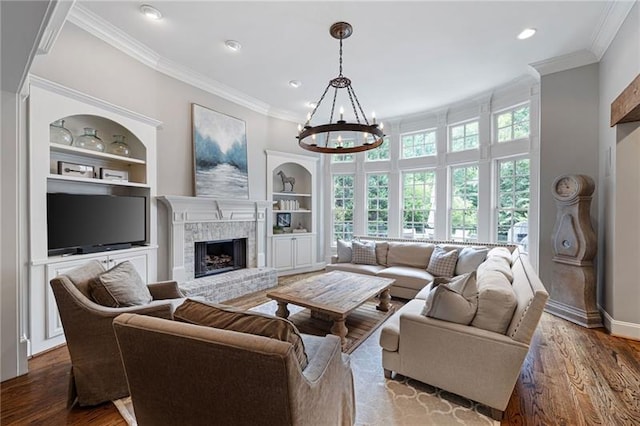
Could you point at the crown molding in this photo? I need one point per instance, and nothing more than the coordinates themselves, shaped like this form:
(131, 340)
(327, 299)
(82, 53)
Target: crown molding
(613, 17)
(564, 62)
(107, 32)
(59, 13)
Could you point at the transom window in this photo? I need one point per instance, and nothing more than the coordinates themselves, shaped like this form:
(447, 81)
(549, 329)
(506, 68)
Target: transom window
(344, 158)
(378, 205)
(418, 144)
(419, 203)
(464, 203)
(343, 186)
(464, 136)
(513, 124)
(513, 201)
(380, 153)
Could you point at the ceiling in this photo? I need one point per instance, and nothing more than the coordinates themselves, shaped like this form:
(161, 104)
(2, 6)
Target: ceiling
(403, 57)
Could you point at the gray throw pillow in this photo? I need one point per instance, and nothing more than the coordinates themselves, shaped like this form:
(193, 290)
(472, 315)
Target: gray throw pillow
(470, 258)
(120, 286)
(234, 319)
(344, 251)
(453, 300)
(442, 262)
(363, 252)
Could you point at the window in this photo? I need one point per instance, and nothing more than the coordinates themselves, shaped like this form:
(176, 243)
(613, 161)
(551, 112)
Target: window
(513, 201)
(513, 124)
(464, 203)
(344, 158)
(419, 203)
(343, 206)
(418, 144)
(378, 205)
(380, 153)
(464, 136)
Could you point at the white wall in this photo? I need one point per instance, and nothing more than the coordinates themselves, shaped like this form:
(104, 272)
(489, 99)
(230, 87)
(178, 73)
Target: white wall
(619, 182)
(568, 144)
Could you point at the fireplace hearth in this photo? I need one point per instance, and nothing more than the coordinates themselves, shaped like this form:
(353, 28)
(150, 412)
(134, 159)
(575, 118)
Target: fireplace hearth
(216, 257)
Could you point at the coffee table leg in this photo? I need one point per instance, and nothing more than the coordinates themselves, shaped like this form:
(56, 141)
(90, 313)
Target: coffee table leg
(385, 298)
(282, 311)
(340, 330)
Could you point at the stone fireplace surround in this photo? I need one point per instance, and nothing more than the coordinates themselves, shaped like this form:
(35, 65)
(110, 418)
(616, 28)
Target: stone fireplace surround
(192, 219)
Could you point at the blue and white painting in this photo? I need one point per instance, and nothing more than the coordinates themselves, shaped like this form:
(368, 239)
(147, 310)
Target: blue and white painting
(220, 154)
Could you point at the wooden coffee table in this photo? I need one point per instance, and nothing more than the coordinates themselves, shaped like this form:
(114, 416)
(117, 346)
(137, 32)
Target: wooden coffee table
(333, 296)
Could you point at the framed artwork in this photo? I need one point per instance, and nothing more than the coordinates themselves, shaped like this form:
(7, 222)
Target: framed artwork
(219, 154)
(283, 220)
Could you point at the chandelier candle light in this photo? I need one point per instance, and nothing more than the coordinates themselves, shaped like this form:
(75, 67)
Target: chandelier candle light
(340, 137)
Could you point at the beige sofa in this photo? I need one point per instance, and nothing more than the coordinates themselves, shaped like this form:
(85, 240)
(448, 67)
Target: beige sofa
(480, 361)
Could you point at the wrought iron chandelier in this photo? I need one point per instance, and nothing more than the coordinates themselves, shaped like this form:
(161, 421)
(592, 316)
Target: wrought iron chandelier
(340, 137)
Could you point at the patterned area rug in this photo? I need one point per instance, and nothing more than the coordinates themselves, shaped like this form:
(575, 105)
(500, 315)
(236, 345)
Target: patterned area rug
(379, 401)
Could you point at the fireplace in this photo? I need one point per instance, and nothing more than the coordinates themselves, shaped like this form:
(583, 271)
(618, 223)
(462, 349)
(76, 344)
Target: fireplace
(216, 257)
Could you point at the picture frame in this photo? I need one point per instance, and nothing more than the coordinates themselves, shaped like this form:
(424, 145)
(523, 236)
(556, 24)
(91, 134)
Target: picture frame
(219, 154)
(283, 220)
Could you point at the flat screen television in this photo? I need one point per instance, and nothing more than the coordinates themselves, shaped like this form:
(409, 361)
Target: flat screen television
(85, 223)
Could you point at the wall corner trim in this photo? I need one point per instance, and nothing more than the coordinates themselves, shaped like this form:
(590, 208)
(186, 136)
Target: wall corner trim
(627, 330)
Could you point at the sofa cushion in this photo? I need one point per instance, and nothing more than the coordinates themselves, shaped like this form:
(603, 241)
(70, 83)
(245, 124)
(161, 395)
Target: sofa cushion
(344, 251)
(469, 259)
(442, 262)
(120, 286)
(496, 302)
(234, 319)
(502, 252)
(407, 276)
(352, 267)
(409, 254)
(453, 299)
(498, 264)
(390, 333)
(363, 252)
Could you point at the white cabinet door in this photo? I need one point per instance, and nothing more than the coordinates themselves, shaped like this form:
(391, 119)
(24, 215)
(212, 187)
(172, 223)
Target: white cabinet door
(283, 253)
(303, 251)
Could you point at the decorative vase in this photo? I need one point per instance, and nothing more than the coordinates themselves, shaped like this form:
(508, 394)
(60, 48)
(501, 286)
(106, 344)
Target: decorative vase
(119, 147)
(90, 140)
(59, 134)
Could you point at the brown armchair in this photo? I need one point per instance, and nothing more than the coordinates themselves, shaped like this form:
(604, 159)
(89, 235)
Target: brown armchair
(97, 374)
(182, 373)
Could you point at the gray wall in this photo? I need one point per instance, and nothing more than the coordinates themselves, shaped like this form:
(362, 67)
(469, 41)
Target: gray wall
(568, 144)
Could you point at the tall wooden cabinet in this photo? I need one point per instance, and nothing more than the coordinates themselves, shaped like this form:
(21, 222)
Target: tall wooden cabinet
(49, 102)
(293, 216)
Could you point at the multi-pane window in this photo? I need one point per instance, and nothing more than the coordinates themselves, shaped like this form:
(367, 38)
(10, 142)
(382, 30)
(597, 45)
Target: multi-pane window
(344, 158)
(378, 205)
(513, 201)
(464, 136)
(464, 203)
(513, 124)
(419, 203)
(380, 153)
(418, 144)
(343, 207)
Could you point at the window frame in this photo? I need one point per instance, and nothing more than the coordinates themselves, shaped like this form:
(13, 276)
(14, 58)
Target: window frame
(368, 210)
(496, 129)
(433, 207)
(386, 140)
(464, 124)
(451, 209)
(333, 207)
(424, 132)
(497, 198)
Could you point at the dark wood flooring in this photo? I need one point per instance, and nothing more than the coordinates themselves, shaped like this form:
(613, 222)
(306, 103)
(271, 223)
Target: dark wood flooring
(572, 376)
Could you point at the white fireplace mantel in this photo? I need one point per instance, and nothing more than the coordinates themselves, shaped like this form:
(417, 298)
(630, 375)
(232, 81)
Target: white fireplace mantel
(184, 210)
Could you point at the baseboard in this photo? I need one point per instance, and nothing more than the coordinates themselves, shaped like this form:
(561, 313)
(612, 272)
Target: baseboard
(315, 267)
(578, 316)
(628, 330)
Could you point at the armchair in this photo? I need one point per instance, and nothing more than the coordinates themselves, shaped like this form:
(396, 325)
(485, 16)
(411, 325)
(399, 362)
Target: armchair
(182, 373)
(97, 374)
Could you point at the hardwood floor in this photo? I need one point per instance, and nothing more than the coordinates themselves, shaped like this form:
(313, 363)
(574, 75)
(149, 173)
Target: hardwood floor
(572, 376)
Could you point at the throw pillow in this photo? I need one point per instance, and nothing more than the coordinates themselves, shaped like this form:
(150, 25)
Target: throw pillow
(234, 319)
(454, 300)
(120, 286)
(344, 251)
(502, 252)
(496, 263)
(363, 252)
(496, 302)
(470, 258)
(442, 262)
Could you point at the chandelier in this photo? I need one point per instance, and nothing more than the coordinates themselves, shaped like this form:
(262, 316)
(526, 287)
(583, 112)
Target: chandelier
(340, 137)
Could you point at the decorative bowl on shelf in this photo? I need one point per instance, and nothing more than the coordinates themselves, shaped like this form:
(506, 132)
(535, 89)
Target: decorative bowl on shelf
(119, 146)
(89, 140)
(59, 134)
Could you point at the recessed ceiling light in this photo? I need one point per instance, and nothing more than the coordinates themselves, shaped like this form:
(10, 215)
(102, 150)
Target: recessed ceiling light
(233, 45)
(150, 12)
(295, 83)
(526, 33)
(311, 104)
